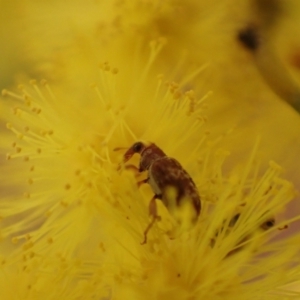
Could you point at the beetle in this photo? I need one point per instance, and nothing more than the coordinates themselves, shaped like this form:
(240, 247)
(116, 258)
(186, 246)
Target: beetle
(163, 173)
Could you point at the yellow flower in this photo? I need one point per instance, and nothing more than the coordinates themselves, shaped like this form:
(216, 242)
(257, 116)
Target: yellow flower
(73, 217)
(73, 223)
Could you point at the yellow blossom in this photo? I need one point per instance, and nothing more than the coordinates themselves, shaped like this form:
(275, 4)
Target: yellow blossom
(73, 223)
(73, 217)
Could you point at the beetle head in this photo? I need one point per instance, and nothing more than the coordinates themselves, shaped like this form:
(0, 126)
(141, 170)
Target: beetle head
(137, 147)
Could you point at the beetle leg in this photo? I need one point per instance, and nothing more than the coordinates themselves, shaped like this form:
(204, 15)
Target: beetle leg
(153, 213)
(139, 183)
(128, 167)
(132, 167)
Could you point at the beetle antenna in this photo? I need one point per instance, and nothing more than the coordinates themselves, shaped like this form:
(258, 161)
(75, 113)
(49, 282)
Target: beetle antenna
(120, 148)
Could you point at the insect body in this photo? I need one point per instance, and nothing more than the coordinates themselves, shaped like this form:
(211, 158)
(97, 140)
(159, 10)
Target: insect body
(164, 173)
